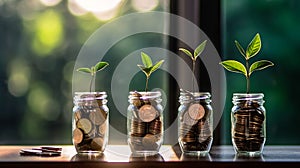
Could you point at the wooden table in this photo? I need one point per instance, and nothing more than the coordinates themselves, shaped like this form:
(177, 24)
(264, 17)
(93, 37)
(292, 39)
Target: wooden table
(170, 156)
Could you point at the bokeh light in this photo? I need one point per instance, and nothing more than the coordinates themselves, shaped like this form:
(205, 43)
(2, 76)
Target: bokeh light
(42, 103)
(19, 76)
(48, 33)
(144, 5)
(75, 9)
(98, 5)
(50, 2)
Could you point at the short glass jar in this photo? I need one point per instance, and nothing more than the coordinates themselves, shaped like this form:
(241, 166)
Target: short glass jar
(195, 125)
(248, 123)
(90, 122)
(145, 122)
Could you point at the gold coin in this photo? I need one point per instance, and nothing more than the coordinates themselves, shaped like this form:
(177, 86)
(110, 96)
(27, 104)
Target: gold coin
(188, 120)
(77, 136)
(147, 113)
(98, 116)
(97, 143)
(85, 125)
(196, 111)
(102, 128)
(77, 115)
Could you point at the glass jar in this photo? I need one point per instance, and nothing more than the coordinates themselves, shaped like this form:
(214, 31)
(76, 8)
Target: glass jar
(195, 125)
(145, 122)
(248, 123)
(90, 122)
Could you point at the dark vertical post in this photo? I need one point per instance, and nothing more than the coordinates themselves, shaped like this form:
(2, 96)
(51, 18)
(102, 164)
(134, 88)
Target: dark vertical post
(205, 14)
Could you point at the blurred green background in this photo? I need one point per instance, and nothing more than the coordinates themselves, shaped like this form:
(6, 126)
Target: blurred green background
(40, 39)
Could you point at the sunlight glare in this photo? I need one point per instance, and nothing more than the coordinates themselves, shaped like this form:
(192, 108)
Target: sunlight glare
(144, 5)
(98, 5)
(50, 2)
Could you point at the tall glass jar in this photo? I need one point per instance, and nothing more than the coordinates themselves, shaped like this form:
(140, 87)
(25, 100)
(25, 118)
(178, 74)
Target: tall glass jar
(90, 122)
(195, 126)
(248, 118)
(145, 122)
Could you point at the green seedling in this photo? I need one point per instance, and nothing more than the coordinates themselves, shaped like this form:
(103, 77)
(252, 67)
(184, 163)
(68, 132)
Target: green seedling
(148, 68)
(199, 49)
(93, 70)
(252, 50)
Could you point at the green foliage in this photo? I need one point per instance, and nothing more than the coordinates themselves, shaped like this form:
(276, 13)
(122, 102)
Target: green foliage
(98, 67)
(93, 70)
(234, 66)
(148, 68)
(197, 52)
(252, 50)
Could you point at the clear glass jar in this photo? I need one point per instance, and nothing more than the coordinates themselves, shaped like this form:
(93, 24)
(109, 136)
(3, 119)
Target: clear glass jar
(90, 122)
(248, 123)
(195, 125)
(145, 122)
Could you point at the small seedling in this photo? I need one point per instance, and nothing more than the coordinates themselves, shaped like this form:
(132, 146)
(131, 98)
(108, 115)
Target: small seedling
(194, 56)
(93, 70)
(252, 50)
(148, 68)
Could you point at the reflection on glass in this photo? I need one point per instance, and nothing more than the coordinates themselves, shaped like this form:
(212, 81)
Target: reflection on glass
(138, 158)
(89, 157)
(198, 157)
(247, 158)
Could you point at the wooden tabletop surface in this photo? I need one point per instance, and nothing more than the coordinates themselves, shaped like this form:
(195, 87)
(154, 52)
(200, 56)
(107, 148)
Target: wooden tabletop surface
(120, 156)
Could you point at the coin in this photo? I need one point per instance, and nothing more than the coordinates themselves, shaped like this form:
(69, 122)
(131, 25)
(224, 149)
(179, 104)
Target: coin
(149, 141)
(77, 115)
(97, 143)
(102, 129)
(98, 116)
(196, 111)
(147, 113)
(77, 136)
(85, 125)
(188, 120)
(138, 128)
(155, 127)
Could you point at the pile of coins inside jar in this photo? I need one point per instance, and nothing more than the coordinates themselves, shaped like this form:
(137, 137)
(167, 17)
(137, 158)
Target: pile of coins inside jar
(194, 131)
(146, 125)
(248, 128)
(90, 126)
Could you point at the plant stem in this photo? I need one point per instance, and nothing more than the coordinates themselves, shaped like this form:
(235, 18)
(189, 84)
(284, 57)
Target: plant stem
(248, 77)
(146, 88)
(193, 76)
(93, 77)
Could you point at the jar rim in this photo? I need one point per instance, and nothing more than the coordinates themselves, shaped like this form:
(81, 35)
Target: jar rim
(145, 95)
(247, 96)
(197, 94)
(90, 95)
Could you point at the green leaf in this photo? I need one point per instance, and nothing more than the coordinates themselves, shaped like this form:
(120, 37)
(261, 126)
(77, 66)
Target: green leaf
(100, 66)
(156, 66)
(240, 48)
(253, 47)
(199, 49)
(234, 66)
(85, 70)
(147, 71)
(187, 52)
(259, 65)
(146, 60)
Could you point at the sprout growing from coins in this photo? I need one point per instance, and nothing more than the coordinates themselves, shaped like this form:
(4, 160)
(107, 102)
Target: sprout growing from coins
(252, 50)
(148, 68)
(93, 70)
(194, 56)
